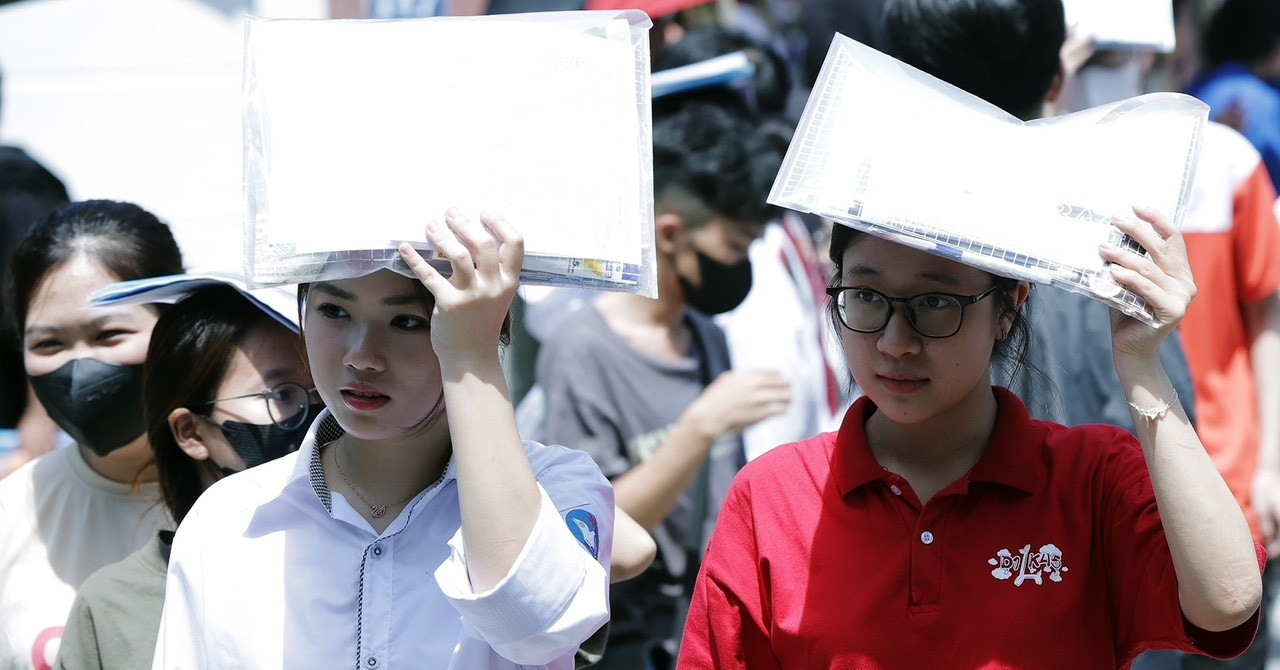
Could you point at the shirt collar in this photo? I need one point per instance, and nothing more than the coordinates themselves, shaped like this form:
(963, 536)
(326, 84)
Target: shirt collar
(852, 461)
(325, 430)
(309, 467)
(1010, 458)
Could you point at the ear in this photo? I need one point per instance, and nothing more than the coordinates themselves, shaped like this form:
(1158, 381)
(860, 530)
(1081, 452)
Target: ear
(669, 227)
(1020, 296)
(185, 426)
(1056, 87)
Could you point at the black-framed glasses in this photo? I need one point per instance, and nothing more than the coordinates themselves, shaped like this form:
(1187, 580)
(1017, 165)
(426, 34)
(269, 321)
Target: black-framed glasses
(288, 404)
(933, 315)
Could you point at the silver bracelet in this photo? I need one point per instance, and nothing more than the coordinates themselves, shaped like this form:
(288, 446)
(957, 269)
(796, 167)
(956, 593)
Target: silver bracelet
(1159, 412)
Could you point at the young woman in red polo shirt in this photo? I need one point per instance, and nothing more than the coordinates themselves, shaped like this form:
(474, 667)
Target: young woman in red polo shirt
(941, 527)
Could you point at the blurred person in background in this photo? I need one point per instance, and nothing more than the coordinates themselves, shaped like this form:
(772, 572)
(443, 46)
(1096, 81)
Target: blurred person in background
(1241, 59)
(780, 324)
(71, 511)
(28, 192)
(647, 388)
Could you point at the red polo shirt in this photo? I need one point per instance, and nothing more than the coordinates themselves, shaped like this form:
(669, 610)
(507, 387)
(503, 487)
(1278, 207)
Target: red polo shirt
(1049, 554)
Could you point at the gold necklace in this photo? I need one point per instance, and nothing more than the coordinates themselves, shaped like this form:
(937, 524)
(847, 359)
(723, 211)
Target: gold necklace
(378, 511)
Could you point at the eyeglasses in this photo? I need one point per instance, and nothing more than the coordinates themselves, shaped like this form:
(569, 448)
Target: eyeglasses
(288, 404)
(934, 315)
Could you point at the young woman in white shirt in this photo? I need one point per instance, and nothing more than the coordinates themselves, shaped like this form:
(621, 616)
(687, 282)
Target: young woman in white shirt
(413, 528)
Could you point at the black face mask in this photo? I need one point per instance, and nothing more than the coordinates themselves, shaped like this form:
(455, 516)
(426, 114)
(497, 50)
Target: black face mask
(98, 404)
(723, 286)
(257, 443)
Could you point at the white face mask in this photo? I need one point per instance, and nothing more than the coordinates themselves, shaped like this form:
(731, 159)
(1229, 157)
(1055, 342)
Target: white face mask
(1097, 84)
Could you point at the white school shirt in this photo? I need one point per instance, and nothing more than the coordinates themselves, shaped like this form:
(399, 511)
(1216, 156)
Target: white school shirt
(271, 569)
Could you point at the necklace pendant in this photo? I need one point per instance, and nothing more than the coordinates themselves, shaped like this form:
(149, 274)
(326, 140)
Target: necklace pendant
(378, 511)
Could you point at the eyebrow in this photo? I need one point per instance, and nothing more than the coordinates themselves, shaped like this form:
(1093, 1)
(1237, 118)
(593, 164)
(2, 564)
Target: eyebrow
(860, 271)
(275, 375)
(122, 318)
(332, 290)
(391, 301)
(404, 299)
(933, 276)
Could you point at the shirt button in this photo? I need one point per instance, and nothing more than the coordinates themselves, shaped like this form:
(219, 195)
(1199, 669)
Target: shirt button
(896, 491)
(372, 662)
(377, 553)
(926, 537)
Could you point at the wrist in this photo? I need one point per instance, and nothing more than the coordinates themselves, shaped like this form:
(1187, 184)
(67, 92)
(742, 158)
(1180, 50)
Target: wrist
(701, 428)
(458, 366)
(1156, 411)
(1138, 366)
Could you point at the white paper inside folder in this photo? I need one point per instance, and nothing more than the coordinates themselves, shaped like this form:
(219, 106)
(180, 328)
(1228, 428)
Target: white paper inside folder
(885, 148)
(1131, 24)
(359, 132)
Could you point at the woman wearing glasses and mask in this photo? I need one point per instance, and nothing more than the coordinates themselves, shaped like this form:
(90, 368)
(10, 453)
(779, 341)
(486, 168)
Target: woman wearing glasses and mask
(226, 389)
(940, 525)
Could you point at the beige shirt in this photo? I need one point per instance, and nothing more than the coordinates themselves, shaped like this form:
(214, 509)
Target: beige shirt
(59, 522)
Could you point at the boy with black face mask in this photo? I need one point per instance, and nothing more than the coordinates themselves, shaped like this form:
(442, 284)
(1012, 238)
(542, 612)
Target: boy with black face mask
(644, 385)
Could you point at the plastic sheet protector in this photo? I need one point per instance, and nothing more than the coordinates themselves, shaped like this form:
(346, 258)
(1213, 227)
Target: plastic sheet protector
(358, 132)
(1130, 24)
(885, 148)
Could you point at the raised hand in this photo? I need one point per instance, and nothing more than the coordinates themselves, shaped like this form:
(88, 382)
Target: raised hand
(1163, 280)
(739, 398)
(1266, 504)
(471, 305)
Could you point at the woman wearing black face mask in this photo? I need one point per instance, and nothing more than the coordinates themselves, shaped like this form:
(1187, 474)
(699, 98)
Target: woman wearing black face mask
(74, 510)
(226, 389)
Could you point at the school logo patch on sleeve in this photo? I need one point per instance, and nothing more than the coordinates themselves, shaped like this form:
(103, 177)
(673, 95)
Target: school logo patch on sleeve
(584, 527)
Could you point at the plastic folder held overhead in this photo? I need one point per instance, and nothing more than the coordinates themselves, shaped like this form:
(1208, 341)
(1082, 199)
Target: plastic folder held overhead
(357, 133)
(885, 148)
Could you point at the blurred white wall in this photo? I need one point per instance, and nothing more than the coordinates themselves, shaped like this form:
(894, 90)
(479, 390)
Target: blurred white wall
(138, 100)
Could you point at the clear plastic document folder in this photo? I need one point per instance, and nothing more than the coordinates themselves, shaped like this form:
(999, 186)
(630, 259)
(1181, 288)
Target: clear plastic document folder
(357, 133)
(885, 148)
